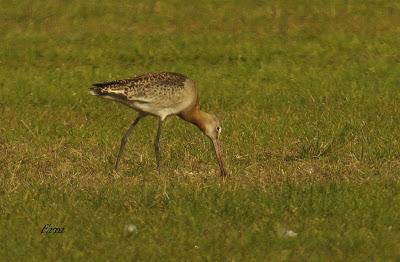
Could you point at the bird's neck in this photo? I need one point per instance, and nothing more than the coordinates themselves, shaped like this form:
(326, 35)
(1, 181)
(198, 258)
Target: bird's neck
(195, 116)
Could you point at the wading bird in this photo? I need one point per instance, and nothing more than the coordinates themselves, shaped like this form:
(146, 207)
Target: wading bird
(162, 94)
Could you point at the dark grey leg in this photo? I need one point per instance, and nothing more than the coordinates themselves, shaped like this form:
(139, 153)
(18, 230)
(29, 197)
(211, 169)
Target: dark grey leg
(157, 146)
(125, 139)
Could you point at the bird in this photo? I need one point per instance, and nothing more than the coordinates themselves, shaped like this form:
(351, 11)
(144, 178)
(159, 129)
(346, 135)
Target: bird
(162, 94)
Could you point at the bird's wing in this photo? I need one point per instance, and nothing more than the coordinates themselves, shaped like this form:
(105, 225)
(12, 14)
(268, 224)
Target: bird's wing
(142, 87)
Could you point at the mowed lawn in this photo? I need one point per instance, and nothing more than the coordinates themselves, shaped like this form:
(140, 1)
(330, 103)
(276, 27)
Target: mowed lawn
(308, 93)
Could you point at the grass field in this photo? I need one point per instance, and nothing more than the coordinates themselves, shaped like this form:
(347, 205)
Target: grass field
(308, 93)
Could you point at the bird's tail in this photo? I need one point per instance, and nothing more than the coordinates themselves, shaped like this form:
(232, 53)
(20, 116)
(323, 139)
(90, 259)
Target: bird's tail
(97, 90)
(109, 90)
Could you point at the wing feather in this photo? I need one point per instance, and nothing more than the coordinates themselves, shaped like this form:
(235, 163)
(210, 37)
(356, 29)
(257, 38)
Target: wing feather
(143, 88)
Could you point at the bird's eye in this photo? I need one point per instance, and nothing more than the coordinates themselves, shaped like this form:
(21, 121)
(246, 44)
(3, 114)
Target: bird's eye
(219, 129)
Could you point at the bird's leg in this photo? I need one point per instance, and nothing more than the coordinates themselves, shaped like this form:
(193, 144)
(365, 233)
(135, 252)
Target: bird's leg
(125, 139)
(157, 145)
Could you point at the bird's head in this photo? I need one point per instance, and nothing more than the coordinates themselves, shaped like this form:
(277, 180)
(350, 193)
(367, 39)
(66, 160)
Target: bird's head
(212, 128)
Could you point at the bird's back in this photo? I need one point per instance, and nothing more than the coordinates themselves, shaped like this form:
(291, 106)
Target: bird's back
(151, 92)
(143, 86)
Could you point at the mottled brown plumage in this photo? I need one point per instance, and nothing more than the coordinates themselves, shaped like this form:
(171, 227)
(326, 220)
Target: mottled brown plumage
(161, 94)
(144, 85)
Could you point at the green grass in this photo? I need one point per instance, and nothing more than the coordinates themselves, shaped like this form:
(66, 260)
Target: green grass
(308, 93)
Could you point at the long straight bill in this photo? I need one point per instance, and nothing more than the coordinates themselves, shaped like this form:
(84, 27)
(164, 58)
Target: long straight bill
(218, 154)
